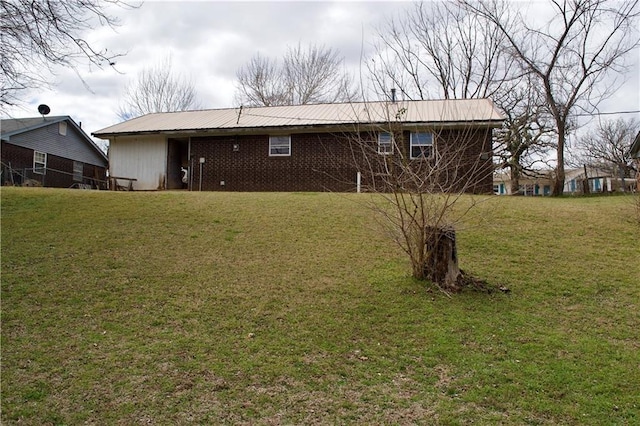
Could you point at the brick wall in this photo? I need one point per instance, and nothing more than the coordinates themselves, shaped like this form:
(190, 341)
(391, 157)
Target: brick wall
(471, 167)
(462, 162)
(317, 163)
(327, 161)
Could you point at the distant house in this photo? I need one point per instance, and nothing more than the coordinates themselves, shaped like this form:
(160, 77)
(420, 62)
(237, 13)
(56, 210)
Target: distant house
(293, 148)
(50, 151)
(530, 184)
(599, 180)
(540, 182)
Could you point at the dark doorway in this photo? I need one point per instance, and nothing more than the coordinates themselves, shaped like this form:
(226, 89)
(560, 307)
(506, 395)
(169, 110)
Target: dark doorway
(177, 163)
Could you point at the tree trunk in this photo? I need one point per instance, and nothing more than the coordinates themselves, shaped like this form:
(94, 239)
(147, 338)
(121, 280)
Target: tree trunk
(558, 184)
(441, 265)
(585, 182)
(515, 180)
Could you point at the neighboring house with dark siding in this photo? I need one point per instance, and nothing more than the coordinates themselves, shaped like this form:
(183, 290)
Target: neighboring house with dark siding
(52, 152)
(296, 148)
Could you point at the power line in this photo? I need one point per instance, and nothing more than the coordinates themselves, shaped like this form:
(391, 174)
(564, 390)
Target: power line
(591, 114)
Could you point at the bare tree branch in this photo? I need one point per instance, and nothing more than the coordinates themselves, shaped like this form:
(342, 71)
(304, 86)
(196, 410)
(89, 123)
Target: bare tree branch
(308, 75)
(439, 50)
(527, 135)
(608, 147)
(570, 55)
(422, 177)
(40, 35)
(158, 89)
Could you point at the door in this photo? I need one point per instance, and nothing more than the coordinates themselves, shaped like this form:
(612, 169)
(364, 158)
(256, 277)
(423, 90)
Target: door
(176, 161)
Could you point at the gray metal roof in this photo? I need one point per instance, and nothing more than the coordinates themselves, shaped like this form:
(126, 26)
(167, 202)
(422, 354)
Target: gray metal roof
(433, 111)
(13, 127)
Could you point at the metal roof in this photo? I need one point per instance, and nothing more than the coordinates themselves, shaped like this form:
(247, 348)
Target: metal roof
(432, 111)
(15, 126)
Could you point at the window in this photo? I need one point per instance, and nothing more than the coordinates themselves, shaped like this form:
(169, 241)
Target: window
(77, 171)
(528, 190)
(39, 162)
(421, 145)
(385, 143)
(62, 128)
(279, 145)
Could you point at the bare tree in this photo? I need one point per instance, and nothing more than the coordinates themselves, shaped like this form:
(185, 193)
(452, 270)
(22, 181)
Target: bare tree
(421, 179)
(158, 89)
(260, 82)
(439, 50)
(525, 139)
(308, 75)
(571, 55)
(608, 146)
(40, 35)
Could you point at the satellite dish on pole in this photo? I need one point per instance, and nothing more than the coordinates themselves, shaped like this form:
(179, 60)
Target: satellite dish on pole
(44, 109)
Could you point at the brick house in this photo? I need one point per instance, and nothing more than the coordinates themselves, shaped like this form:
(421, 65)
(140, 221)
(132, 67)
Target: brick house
(295, 148)
(51, 152)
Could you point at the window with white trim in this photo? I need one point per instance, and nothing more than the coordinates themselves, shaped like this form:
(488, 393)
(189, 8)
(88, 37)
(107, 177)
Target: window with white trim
(385, 143)
(421, 145)
(279, 146)
(77, 171)
(62, 128)
(39, 162)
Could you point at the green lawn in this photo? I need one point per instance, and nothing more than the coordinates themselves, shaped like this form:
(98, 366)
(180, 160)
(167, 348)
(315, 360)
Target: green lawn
(287, 308)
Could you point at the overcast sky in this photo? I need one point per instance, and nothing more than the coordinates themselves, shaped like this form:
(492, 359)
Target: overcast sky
(209, 41)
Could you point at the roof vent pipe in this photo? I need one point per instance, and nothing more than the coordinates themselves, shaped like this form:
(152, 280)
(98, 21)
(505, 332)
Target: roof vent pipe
(393, 95)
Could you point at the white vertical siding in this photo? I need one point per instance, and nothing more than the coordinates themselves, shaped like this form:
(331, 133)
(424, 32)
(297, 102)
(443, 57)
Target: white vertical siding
(141, 158)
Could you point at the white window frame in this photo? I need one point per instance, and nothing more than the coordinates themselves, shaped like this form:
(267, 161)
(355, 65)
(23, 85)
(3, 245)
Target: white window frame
(39, 162)
(384, 147)
(62, 128)
(414, 142)
(278, 143)
(78, 171)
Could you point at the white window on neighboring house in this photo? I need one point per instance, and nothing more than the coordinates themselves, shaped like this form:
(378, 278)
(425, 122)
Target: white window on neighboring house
(279, 146)
(77, 171)
(62, 128)
(421, 145)
(39, 162)
(385, 143)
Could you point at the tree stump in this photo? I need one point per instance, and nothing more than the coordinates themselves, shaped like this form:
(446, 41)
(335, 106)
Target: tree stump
(441, 264)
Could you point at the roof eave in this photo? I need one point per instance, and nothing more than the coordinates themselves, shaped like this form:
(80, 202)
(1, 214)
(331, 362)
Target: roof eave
(491, 123)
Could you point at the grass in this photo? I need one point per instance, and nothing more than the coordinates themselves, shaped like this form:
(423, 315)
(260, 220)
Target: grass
(290, 308)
